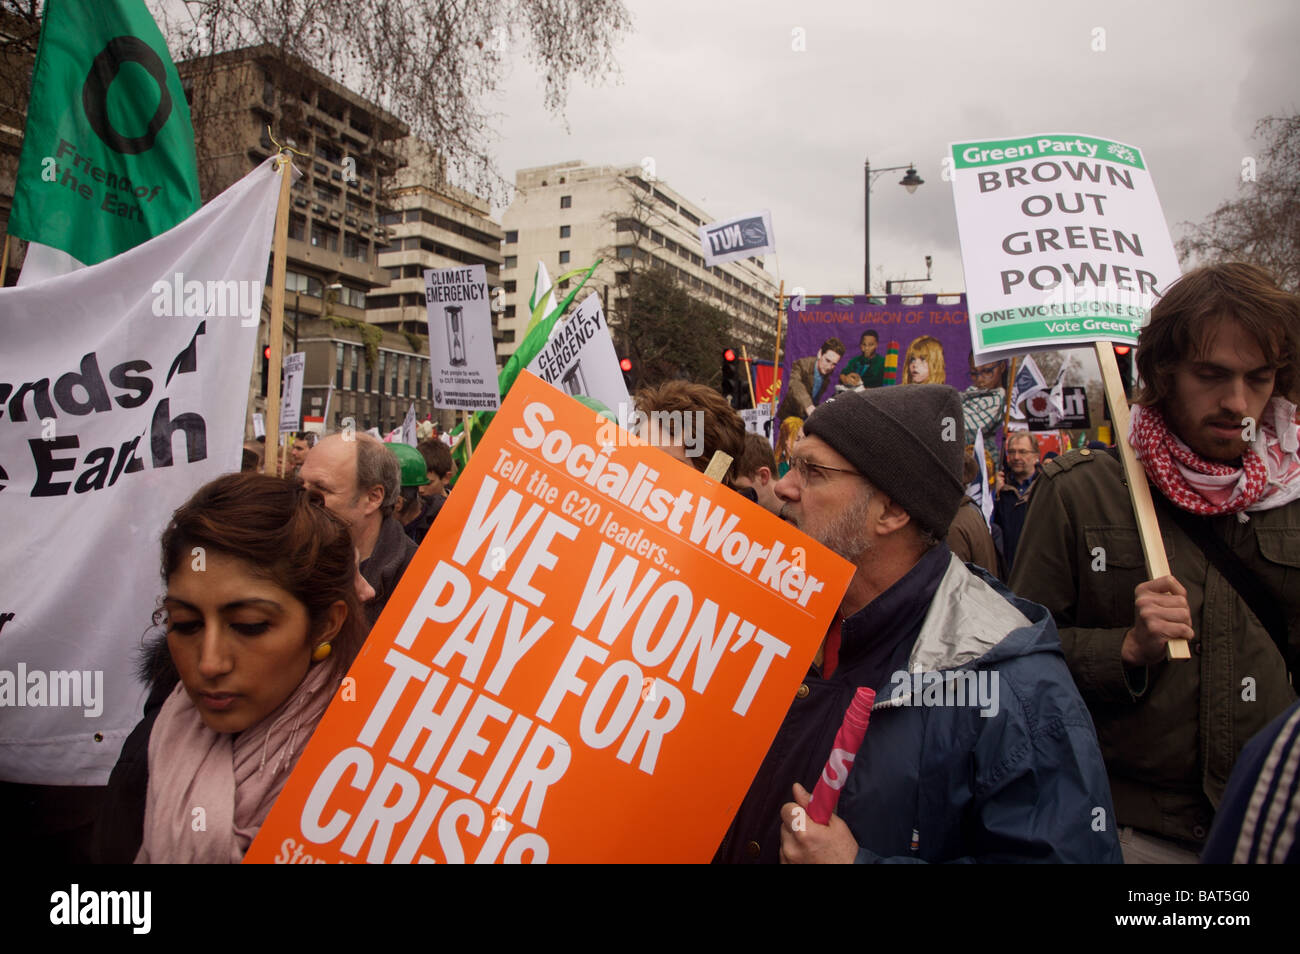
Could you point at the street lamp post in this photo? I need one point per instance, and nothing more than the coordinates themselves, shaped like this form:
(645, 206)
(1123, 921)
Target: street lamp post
(909, 181)
(889, 285)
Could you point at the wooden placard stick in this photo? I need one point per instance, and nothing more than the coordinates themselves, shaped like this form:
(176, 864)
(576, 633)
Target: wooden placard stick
(749, 377)
(4, 262)
(276, 360)
(718, 465)
(776, 358)
(1139, 491)
(469, 441)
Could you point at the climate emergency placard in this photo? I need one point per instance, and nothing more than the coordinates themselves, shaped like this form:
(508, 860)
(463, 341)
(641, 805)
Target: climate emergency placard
(462, 355)
(586, 664)
(1062, 241)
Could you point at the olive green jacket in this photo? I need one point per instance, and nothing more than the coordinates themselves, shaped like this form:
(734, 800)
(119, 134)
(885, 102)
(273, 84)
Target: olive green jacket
(1169, 733)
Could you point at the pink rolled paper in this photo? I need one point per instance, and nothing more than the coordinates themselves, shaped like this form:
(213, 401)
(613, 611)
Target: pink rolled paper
(826, 793)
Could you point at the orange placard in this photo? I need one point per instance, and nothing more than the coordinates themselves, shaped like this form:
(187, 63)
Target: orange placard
(585, 662)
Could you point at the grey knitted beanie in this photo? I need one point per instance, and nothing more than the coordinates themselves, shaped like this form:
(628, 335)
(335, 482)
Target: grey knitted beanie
(907, 440)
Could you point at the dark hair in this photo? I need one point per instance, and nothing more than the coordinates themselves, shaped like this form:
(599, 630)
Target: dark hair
(869, 333)
(833, 344)
(724, 430)
(758, 453)
(283, 532)
(1182, 321)
(437, 457)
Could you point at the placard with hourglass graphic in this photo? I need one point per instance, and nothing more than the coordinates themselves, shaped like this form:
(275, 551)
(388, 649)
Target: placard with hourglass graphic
(461, 350)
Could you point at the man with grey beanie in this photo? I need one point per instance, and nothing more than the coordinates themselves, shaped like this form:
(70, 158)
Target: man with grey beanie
(979, 747)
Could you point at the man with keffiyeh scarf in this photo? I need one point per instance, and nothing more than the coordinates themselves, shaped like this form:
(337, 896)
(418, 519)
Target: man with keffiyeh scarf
(1215, 429)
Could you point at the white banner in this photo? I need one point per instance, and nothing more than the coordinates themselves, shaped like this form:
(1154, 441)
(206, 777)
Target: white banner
(758, 420)
(740, 237)
(124, 388)
(580, 359)
(409, 427)
(1062, 241)
(291, 392)
(462, 354)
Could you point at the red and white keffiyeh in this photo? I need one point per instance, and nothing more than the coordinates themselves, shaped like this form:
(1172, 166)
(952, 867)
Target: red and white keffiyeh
(1269, 475)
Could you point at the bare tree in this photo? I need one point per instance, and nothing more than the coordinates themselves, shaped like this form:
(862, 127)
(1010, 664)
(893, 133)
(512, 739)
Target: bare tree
(431, 63)
(1262, 225)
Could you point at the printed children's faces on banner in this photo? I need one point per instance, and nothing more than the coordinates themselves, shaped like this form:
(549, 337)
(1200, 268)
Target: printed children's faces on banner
(587, 665)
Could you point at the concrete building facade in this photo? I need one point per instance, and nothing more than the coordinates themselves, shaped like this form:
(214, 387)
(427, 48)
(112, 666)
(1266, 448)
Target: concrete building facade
(569, 214)
(366, 214)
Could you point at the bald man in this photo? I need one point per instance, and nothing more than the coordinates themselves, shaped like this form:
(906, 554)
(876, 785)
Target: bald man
(359, 480)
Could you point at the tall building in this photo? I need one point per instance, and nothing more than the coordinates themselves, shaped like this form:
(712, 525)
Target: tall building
(366, 358)
(431, 224)
(569, 214)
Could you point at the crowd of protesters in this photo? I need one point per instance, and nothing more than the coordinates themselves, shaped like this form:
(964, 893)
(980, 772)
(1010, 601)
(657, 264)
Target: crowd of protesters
(1092, 745)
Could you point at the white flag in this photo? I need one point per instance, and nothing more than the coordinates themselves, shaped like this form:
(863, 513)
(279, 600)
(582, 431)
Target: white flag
(986, 493)
(1029, 381)
(126, 384)
(409, 427)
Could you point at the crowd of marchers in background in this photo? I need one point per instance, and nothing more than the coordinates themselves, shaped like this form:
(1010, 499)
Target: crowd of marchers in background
(1093, 745)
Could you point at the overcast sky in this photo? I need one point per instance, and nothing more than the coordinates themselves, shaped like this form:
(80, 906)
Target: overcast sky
(737, 120)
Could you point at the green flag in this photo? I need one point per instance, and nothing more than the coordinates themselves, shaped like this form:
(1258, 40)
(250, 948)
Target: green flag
(108, 154)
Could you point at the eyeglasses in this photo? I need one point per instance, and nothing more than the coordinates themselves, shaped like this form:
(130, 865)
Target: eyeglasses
(804, 467)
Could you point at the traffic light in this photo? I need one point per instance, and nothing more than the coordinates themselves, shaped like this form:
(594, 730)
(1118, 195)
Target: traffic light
(1124, 358)
(730, 387)
(266, 367)
(629, 379)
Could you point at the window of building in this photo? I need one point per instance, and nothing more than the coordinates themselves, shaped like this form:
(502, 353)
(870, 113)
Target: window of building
(394, 362)
(382, 358)
(512, 237)
(564, 284)
(510, 311)
(298, 227)
(406, 375)
(338, 367)
(565, 231)
(512, 261)
(564, 258)
(566, 201)
(322, 236)
(510, 286)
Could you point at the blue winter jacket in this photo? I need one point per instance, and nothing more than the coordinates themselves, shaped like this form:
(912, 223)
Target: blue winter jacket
(982, 751)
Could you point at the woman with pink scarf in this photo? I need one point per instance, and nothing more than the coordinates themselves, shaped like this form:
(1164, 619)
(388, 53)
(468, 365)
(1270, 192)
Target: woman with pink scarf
(262, 621)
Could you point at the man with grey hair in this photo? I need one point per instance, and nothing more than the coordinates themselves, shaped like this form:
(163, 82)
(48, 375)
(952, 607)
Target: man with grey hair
(1011, 490)
(1004, 765)
(360, 482)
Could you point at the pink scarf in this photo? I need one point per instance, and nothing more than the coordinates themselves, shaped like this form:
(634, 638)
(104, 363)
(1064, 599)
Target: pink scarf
(1269, 475)
(233, 779)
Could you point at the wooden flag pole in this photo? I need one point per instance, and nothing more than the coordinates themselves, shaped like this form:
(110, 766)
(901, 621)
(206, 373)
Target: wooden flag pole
(776, 360)
(1006, 413)
(4, 262)
(1139, 491)
(749, 375)
(279, 253)
(469, 441)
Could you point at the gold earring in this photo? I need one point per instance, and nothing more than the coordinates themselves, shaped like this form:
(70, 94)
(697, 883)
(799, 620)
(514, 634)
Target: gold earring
(321, 652)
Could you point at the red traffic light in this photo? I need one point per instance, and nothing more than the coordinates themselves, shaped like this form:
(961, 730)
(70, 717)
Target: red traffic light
(728, 355)
(1121, 349)
(625, 364)
(266, 352)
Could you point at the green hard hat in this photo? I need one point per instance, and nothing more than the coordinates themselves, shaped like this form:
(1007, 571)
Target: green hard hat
(414, 472)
